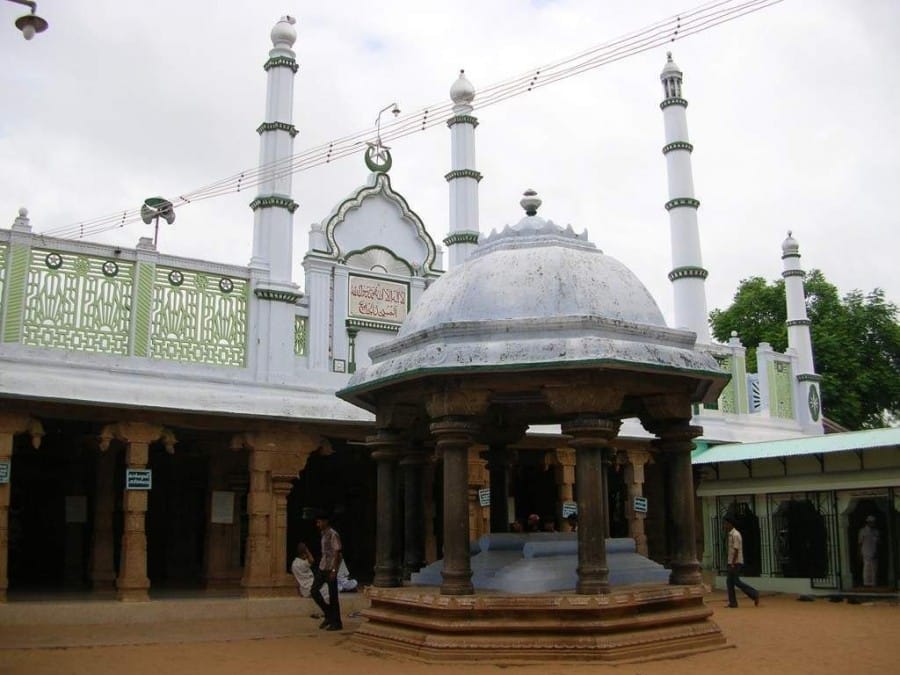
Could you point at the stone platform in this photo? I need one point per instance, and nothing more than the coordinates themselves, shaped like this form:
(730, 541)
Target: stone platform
(629, 624)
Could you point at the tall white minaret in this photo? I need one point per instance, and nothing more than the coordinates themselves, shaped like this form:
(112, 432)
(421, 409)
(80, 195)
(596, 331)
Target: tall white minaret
(463, 178)
(808, 396)
(688, 276)
(273, 307)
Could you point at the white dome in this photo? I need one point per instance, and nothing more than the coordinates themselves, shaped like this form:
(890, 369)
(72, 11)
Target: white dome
(462, 92)
(537, 271)
(671, 68)
(284, 33)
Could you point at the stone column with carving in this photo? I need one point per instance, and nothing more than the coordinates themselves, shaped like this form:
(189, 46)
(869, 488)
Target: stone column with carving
(275, 458)
(387, 449)
(675, 439)
(10, 425)
(413, 467)
(591, 437)
(634, 480)
(102, 571)
(564, 473)
(454, 435)
(479, 519)
(132, 583)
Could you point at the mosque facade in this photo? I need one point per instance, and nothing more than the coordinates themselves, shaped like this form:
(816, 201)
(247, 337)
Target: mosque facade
(165, 422)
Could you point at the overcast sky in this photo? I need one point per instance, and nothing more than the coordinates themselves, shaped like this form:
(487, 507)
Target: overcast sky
(794, 115)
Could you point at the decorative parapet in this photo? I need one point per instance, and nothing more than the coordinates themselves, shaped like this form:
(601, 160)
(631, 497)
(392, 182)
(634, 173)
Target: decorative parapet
(199, 317)
(277, 295)
(675, 100)
(687, 272)
(274, 201)
(464, 237)
(277, 126)
(682, 201)
(463, 173)
(677, 145)
(463, 119)
(781, 389)
(281, 62)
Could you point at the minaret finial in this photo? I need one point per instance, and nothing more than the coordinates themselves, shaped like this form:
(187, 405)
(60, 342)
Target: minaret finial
(530, 202)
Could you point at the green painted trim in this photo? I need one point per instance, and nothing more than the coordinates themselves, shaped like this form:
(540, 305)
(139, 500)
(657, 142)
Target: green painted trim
(461, 238)
(793, 273)
(797, 322)
(301, 335)
(790, 255)
(677, 145)
(281, 62)
(675, 100)
(142, 316)
(274, 201)
(814, 403)
(688, 272)
(277, 126)
(682, 201)
(463, 119)
(16, 282)
(463, 173)
(809, 377)
(277, 296)
(375, 167)
(374, 325)
(376, 247)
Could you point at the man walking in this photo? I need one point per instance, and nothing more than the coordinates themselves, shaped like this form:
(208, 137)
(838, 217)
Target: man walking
(735, 558)
(326, 573)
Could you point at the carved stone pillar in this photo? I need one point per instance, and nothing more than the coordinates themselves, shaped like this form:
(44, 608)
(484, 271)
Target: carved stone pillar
(591, 437)
(10, 425)
(453, 437)
(413, 468)
(260, 529)
(675, 439)
(281, 487)
(564, 473)
(132, 583)
(388, 450)
(103, 573)
(275, 458)
(634, 479)
(478, 480)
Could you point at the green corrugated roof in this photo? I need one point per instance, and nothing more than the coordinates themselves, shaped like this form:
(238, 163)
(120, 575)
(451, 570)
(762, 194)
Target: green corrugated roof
(807, 445)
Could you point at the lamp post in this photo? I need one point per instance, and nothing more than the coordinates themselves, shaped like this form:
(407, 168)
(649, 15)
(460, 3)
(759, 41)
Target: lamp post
(30, 23)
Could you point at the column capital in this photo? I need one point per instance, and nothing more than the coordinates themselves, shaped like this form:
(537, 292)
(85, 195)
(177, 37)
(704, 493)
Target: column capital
(583, 401)
(18, 423)
(386, 444)
(457, 403)
(675, 435)
(286, 450)
(136, 432)
(590, 431)
(454, 431)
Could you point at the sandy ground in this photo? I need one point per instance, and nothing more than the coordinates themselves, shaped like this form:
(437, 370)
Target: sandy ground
(782, 635)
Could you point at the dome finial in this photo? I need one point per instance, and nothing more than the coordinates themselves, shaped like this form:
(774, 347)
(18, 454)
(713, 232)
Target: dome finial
(462, 92)
(284, 33)
(530, 202)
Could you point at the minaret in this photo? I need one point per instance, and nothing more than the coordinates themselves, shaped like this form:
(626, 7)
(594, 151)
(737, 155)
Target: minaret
(463, 178)
(272, 313)
(809, 400)
(688, 276)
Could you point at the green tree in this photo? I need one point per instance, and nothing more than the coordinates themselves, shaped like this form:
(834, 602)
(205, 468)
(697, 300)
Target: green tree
(856, 343)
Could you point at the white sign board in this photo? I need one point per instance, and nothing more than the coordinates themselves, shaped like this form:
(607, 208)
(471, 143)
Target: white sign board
(4, 471)
(377, 300)
(640, 505)
(484, 496)
(568, 508)
(138, 479)
(222, 507)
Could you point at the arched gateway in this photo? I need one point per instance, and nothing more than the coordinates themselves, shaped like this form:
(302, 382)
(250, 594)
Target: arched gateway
(537, 326)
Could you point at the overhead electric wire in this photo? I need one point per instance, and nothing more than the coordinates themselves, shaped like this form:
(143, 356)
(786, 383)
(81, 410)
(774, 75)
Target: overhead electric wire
(665, 31)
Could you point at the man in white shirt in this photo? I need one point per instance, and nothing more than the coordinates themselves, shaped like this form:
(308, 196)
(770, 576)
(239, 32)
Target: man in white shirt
(868, 551)
(734, 552)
